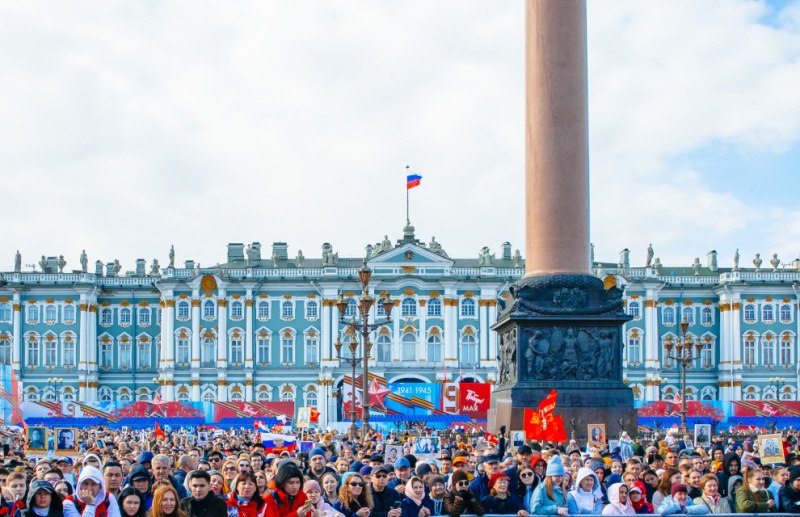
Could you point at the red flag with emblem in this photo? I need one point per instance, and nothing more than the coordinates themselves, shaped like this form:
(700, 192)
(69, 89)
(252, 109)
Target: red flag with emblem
(314, 416)
(160, 432)
(490, 438)
(533, 425)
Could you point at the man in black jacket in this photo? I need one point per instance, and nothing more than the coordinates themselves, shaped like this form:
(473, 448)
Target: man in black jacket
(202, 502)
(386, 500)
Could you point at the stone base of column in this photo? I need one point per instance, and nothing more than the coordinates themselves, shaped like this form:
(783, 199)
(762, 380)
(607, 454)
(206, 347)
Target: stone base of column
(563, 332)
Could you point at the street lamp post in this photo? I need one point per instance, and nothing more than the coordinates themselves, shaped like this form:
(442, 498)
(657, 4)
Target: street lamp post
(360, 325)
(55, 384)
(353, 360)
(778, 383)
(684, 356)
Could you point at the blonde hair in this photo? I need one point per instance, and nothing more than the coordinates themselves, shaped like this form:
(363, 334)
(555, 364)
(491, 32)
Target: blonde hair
(158, 498)
(346, 497)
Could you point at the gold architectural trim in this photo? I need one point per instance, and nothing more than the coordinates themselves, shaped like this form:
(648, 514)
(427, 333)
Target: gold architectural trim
(170, 303)
(423, 303)
(16, 307)
(737, 306)
(650, 304)
(222, 302)
(93, 308)
(196, 302)
(248, 302)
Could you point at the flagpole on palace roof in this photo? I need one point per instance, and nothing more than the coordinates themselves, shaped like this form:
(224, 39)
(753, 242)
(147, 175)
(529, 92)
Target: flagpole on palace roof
(408, 219)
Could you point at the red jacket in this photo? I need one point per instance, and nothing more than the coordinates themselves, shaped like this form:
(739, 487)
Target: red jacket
(249, 509)
(278, 504)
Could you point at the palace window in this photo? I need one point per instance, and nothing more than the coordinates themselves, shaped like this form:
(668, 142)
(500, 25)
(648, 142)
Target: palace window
(750, 312)
(69, 314)
(237, 396)
(106, 355)
(50, 352)
(434, 349)
(32, 314)
(435, 307)
(209, 310)
(124, 317)
(768, 345)
(786, 351)
(408, 308)
(183, 350)
(5, 351)
(144, 316)
(237, 350)
(287, 396)
(768, 313)
(688, 315)
(634, 351)
(668, 316)
(707, 355)
(707, 316)
(125, 356)
(33, 352)
(669, 362)
(263, 396)
(262, 345)
(786, 313)
(749, 358)
(68, 351)
(380, 311)
(311, 399)
(50, 314)
(183, 396)
(469, 350)
(634, 310)
(105, 317)
(409, 348)
(312, 350)
(384, 349)
(208, 351)
(5, 312)
(468, 308)
(352, 308)
(287, 310)
(143, 351)
(262, 310)
(237, 310)
(209, 396)
(312, 310)
(287, 349)
(183, 310)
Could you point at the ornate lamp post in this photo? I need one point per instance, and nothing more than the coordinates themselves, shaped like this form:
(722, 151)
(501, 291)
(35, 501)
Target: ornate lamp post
(55, 384)
(778, 383)
(360, 325)
(353, 360)
(684, 356)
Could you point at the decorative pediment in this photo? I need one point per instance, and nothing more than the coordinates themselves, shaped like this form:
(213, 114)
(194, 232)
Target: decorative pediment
(410, 255)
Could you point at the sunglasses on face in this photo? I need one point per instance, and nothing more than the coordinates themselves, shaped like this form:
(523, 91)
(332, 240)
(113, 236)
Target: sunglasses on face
(379, 476)
(526, 474)
(230, 468)
(462, 483)
(356, 483)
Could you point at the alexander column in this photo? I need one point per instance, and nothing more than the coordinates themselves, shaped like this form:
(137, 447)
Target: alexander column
(563, 328)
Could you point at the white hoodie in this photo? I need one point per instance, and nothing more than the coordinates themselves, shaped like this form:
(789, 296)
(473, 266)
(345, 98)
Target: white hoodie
(89, 472)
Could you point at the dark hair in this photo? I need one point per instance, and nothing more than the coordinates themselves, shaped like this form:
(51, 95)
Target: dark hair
(198, 474)
(55, 471)
(111, 464)
(67, 484)
(127, 492)
(286, 472)
(248, 476)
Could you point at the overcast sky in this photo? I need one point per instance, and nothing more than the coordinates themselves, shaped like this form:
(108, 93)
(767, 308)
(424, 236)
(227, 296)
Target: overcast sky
(130, 126)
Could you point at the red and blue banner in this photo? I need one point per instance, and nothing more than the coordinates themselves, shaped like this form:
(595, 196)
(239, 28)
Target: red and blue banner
(413, 180)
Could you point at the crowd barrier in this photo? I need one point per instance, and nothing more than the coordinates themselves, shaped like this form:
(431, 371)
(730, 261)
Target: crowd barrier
(657, 514)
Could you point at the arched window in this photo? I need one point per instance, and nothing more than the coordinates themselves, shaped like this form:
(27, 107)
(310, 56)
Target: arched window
(409, 307)
(144, 316)
(634, 310)
(786, 313)
(237, 349)
(287, 348)
(68, 395)
(237, 310)
(749, 358)
(105, 394)
(750, 312)
(262, 345)
(183, 310)
(434, 307)
(287, 310)
(434, 349)
(105, 317)
(32, 314)
(634, 350)
(183, 349)
(468, 350)
(668, 316)
(467, 308)
(409, 348)
(125, 355)
(312, 310)
(687, 315)
(209, 310)
(352, 308)
(209, 396)
(106, 355)
(263, 396)
(5, 350)
(50, 314)
(262, 310)
(384, 344)
(311, 399)
(237, 396)
(768, 351)
(312, 349)
(124, 396)
(125, 317)
(287, 396)
(5, 312)
(143, 355)
(69, 314)
(50, 351)
(786, 350)
(208, 351)
(707, 355)
(768, 313)
(183, 396)
(707, 316)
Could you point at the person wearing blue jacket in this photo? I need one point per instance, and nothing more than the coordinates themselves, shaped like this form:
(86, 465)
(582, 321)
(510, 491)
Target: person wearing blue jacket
(678, 502)
(587, 497)
(549, 497)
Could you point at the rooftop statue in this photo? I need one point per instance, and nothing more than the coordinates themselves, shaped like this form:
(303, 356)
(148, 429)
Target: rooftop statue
(17, 262)
(736, 260)
(171, 256)
(485, 258)
(775, 262)
(696, 266)
(757, 261)
(649, 258)
(155, 269)
(61, 263)
(299, 259)
(84, 262)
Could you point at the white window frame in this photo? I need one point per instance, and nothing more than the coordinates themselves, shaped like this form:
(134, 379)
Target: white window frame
(786, 318)
(287, 349)
(144, 351)
(69, 317)
(635, 309)
(125, 316)
(237, 349)
(183, 311)
(237, 310)
(106, 317)
(384, 348)
(665, 320)
(312, 350)
(125, 354)
(768, 318)
(143, 316)
(749, 313)
(262, 310)
(468, 342)
(6, 313)
(707, 316)
(209, 309)
(408, 307)
(408, 347)
(32, 314)
(433, 349)
(434, 308)
(468, 308)
(50, 314)
(312, 310)
(287, 310)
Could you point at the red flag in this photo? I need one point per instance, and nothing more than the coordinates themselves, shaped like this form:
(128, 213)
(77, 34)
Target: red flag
(490, 438)
(555, 431)
(160, 432)
(533, 425)
(314, 416)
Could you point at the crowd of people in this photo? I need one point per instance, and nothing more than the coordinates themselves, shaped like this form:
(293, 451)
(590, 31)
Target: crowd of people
(138, 475)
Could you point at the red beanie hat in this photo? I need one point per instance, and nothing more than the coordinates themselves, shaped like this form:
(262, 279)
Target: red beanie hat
(495, 477)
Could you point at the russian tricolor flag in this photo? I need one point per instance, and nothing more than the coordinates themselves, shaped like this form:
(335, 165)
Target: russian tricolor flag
(413, 180)
(278, 443)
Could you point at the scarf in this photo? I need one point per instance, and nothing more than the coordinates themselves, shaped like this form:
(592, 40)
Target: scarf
(410, 491)
(613, 501)
(41, 512)
(642, 500)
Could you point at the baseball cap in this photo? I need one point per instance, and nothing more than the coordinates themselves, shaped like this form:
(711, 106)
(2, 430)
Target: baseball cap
(402, 463)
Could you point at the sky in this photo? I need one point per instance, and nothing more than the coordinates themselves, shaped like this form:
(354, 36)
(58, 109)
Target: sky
(128, 127)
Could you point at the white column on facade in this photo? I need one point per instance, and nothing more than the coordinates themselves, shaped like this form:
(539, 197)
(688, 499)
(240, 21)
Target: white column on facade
(195, 331)
(397, 351)
(168, 334)
(17, 352)
(222, 388)
(195, 386)
(422, 343)
(724, 371)
(249, 341)
(483, 333)
(83, 346)
(736, 348)
(492, 304)
(91, 391)
(222, 333)
(248, 386)
(450, 303)
(325, 342)
(322, 401)
(651, 338)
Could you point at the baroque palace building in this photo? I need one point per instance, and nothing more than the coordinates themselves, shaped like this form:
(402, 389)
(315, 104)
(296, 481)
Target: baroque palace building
(256, 329)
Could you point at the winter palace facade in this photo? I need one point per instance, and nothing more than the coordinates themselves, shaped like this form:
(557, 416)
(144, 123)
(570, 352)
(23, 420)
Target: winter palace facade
(263, 329)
